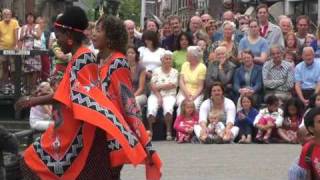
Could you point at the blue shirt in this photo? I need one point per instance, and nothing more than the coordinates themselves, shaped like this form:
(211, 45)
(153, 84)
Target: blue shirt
(249, 117)
(261, 46)
(308, 76)
(316, 47)
(218, 36)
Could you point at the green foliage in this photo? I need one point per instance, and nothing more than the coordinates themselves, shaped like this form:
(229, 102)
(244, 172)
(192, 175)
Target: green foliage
(130, 9)
(90, 5)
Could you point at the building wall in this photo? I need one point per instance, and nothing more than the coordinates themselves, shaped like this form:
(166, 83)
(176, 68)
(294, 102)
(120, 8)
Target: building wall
(46, 8)
(184, 8)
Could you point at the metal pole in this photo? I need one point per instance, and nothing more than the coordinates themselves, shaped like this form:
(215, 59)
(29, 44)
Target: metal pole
(17, 80)
(286, 7)
(143, 13)
(318, 11)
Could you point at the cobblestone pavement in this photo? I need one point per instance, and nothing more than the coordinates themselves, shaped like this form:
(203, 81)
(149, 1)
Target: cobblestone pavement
(225, 162)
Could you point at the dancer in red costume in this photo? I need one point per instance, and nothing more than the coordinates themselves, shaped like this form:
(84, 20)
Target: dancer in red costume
(75, 147)
(111, 39)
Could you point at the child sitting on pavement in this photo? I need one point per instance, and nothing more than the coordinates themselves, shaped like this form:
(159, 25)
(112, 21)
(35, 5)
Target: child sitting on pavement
(293, 112)
(185, 121)
(268, 119)
(215, 129)
(245, 118)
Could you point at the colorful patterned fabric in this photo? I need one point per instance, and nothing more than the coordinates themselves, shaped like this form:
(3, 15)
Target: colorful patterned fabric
(117, 85)
(62, 152)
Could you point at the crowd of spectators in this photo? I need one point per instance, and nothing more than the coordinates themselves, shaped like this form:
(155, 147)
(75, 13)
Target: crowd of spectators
(248, 78)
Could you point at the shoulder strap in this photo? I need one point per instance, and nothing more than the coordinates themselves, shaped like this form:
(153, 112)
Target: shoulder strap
(308, 159)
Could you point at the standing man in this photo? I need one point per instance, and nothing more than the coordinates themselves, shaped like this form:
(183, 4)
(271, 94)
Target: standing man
(130, 27)
(228, 16)
(271, 32)
(307, 76)
(170, 42)
(303, 27)
(8, 40)
(194, 25)
(205, 18)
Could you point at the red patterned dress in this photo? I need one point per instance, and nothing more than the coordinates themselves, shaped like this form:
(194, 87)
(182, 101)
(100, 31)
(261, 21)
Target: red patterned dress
(74, 148)
(116, 84)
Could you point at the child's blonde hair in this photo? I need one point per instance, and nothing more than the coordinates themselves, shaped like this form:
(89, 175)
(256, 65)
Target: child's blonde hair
(183, 105)
(46, 85)
(214, 113)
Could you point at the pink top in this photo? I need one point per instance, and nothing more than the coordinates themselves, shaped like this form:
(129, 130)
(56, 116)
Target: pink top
(182, 123)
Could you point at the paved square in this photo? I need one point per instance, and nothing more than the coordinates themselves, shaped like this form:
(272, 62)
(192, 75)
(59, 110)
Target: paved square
(225, 162)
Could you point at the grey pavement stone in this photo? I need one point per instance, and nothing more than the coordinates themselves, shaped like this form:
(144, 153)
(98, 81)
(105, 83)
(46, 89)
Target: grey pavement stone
(222, 161)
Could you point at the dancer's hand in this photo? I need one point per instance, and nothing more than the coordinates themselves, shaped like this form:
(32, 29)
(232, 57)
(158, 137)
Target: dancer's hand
(22, 103)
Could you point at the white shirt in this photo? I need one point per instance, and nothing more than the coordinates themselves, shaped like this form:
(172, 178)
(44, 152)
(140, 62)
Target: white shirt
(229, 110)
(217, 128)
(39, 119)
(161, 78)
(277, 115)
(151, 60)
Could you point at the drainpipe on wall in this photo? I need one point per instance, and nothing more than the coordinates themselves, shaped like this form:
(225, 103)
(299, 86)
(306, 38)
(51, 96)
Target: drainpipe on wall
(318, 11)
(286, 7)
(143, 13)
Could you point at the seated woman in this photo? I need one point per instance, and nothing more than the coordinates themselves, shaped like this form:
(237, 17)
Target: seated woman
(217, 101)
(247, 79)
(221, 69)
(138, 75)
(192, 77)
(163, 87)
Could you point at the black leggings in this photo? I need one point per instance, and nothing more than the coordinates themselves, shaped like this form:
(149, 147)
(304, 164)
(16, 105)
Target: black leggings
(244, 128)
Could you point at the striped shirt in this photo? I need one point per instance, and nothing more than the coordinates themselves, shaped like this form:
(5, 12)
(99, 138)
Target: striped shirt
(278, 77)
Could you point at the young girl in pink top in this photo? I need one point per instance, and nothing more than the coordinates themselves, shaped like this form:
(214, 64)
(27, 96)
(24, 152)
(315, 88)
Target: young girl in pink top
(185, 121)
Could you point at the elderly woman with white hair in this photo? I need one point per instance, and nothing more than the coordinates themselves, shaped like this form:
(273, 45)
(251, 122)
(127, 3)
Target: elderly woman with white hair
(228, 41)
(163, 85)
(220, 69)
(192, 77)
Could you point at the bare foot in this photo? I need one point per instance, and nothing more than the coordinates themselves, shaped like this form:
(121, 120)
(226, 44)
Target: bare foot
(242, 140)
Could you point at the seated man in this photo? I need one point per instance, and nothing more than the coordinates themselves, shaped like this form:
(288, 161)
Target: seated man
(278, 76)
(307, 76)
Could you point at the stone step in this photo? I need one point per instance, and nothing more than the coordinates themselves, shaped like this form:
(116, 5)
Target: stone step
(14, 125)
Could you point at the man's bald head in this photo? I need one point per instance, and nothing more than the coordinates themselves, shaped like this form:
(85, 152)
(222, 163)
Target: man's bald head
(130, 26)
(308, 55)
(195, 24)
(228, 16)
